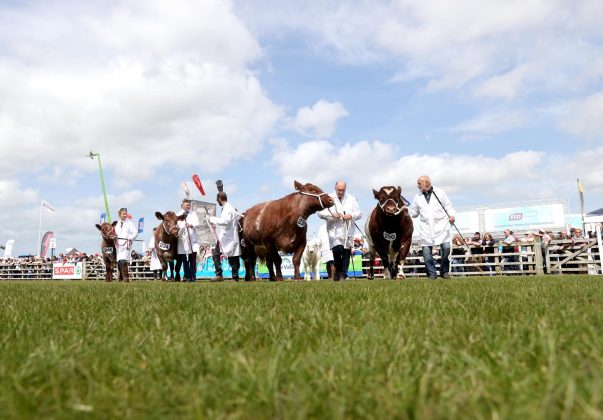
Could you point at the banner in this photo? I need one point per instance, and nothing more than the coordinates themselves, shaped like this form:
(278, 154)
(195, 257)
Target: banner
(68, 271)
(140, 225)
(45, 205)
(287, 269)
(467, 221)
(8, 248)
(548, 216)
(103, 218)
(46, 243)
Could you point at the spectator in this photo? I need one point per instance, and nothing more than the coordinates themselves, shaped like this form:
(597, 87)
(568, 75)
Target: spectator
(508, 248)
(488, 243)
(457, 254)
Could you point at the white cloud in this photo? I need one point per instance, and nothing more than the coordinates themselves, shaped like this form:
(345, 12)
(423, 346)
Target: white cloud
(583, 117)
(320, 120)
(490, 124)
(145, 84)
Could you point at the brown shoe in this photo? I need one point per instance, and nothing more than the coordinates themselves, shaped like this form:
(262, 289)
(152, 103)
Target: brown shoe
(218, 278)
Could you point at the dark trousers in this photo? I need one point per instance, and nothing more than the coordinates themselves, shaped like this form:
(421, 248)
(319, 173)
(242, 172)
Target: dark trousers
(189, 263)
(235, 263)
(341, 260)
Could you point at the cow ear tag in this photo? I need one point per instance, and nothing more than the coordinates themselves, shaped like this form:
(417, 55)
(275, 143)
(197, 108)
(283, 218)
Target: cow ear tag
(301, 222)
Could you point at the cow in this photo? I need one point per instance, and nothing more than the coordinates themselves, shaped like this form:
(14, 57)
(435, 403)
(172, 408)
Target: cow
(280, 225)
(311, 259)
(389, 231)
(108, 250)
(166, 241)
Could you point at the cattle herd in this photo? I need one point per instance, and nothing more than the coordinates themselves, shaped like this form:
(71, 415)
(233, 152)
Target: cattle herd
(280, 225)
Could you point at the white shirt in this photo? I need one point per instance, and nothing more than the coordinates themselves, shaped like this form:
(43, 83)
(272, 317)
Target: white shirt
(155, 263)
(337, 227)
(187, 237)
(227, 229)
(126, 233)
(433, 224)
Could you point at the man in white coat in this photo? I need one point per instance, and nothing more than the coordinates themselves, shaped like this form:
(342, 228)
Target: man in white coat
(434, 224)
(227, 231)
(187, 241)
(340, 227)
(125, 232)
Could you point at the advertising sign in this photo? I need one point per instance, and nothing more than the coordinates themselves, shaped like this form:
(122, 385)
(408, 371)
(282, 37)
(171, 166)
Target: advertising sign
(467, 221)
(68, 271)
(548, 216)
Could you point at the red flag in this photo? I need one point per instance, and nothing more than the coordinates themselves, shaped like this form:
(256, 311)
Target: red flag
(197, 182)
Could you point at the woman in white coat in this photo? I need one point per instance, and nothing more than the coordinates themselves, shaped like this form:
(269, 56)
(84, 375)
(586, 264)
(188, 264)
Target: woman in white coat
(156, 267)
(227, 232)
(434, 224)
(126, 232)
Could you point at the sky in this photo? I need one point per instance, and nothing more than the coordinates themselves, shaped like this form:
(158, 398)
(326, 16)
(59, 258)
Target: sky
(498, 101)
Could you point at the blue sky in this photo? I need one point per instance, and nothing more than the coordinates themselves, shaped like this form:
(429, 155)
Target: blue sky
(498, 101)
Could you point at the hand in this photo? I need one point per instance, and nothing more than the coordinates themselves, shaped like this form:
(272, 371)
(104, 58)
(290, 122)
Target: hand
(451, 219)
(347, 216)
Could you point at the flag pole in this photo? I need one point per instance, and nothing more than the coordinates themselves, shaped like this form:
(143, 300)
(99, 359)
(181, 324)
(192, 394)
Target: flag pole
(102, 178)
(39, 232)
(581, 191)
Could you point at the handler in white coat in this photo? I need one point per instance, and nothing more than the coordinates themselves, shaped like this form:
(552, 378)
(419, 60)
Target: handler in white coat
(227, 231)
(187, 242)
(340, 227)
(434, 224)
(155, 267)
(126, 232)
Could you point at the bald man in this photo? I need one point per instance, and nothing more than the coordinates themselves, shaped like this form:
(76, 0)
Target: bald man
(340, 227)
(434, 225)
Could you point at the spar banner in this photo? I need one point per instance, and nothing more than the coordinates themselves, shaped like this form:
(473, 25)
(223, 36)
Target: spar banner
(68, 271)
(46, 244)
(547, 216)
(8, 248)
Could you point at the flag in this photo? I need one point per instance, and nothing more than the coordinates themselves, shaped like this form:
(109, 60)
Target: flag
(580, 187)
(46, 243)
(103, 218)
(46, 206)
(581, 191)
(8, 248)
(140, 225)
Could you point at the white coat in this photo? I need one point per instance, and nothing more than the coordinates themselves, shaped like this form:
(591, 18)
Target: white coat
(433, 224)
(336, 227)
(155, 263)
(325, 250)
(184, 233)
(227, 229)
(126, 233)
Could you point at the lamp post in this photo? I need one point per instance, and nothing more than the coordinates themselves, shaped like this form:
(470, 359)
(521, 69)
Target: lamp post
(100, 170)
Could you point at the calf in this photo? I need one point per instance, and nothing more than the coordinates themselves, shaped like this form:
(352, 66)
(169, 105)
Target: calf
(311, 259)
(166, 241)
(389, 231)
(108, 248)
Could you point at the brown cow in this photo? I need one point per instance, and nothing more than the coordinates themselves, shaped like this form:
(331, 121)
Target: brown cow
(108, 248)
(280, 225)
(389, 231)
(166, 241)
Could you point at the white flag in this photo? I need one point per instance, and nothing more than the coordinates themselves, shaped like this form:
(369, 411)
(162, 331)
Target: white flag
(46, 205)
(8, 248)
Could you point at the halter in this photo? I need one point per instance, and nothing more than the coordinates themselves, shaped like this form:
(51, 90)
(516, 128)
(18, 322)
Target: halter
(165, 229)
(398, 208)
(315, 195)
(112, 231)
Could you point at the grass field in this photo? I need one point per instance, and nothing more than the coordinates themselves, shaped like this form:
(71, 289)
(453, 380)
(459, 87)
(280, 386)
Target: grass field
(520, 347)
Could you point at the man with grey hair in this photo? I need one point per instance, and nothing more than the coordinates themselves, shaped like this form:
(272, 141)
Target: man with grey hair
(434, 210)
(340, 227)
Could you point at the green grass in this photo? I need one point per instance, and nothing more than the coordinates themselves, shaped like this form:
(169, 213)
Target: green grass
(524, 347)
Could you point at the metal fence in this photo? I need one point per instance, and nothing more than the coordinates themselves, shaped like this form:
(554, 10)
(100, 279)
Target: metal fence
(559, 257)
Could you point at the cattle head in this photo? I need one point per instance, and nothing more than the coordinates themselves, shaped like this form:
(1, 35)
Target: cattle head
(390, 200)
(107, 230)
(323, 198)
(170, 221)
